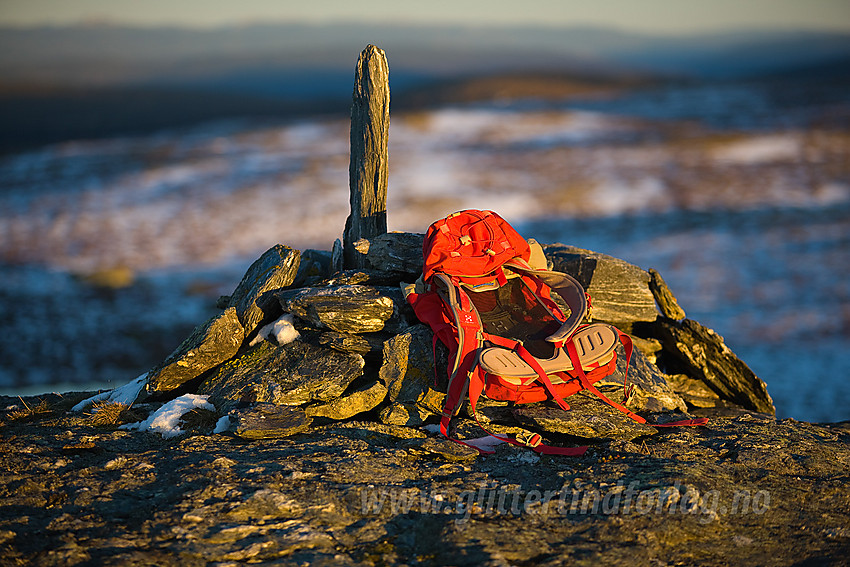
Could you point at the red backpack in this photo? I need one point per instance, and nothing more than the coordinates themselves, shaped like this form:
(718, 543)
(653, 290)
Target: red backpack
(507, 337)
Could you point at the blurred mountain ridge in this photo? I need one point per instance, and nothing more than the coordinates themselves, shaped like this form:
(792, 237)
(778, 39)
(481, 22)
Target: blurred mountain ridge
(118, 55)
(91, 81)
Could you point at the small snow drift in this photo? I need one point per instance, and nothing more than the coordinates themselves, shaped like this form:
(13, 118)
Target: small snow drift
(125, 394)
(282, 330)
(166, 420)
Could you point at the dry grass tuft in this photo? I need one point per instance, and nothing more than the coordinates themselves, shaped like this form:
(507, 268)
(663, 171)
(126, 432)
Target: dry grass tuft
(112, 413)
(43, 408)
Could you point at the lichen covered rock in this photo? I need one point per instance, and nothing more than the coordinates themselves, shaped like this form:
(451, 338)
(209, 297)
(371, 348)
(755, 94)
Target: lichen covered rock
(345, 308)
(363, 399)
(588, 417)
(408, 364)
(292, 374)
(270, 421)
(253, 297)
(210, 344)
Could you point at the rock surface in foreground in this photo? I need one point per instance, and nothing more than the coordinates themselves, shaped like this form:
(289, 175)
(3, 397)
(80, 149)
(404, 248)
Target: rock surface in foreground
(331, 454)
(745, 489)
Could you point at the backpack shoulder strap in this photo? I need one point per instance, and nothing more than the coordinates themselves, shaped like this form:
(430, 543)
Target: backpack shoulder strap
(469, 337)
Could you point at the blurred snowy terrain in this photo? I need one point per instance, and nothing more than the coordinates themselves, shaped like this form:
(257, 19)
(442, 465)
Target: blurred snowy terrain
(112, 250)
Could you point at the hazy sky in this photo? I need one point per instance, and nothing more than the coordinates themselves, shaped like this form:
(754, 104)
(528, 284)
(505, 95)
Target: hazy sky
(654, 16)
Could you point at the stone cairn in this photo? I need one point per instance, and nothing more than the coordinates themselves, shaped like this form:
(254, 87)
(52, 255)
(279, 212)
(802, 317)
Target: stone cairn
(363, 354)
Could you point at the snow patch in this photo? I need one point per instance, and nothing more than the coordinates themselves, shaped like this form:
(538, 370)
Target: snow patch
(125, 394)
(832, 194)
(166, 419)
(283, 331)
(615, 197)
(223, 424)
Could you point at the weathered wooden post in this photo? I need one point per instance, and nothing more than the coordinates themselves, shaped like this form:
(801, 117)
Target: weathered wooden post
(368, 168)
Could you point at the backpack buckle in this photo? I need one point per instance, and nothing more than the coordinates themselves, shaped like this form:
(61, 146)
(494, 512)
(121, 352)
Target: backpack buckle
(529, 439)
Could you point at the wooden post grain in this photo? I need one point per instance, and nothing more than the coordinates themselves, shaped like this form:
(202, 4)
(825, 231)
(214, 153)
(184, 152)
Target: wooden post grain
(368, 168)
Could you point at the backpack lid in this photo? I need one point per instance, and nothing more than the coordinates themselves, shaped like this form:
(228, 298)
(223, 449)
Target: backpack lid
(471, 243)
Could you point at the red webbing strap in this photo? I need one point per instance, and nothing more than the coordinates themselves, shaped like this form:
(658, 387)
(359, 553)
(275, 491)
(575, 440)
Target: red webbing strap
(565, 451)
(544, 378)
(456, 389)
(585, 382)
(500, 341)
(476, 386)
(541, 290)
(462, 299)
(534, 442)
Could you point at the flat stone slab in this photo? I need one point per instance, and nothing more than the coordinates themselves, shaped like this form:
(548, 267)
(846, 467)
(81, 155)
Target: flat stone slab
(394, 252)
(254, 295)
(292, 374)
(346, 342)
(363, 399)
(345, 308)
(210, 344)
(588, 417)
(270, 421)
